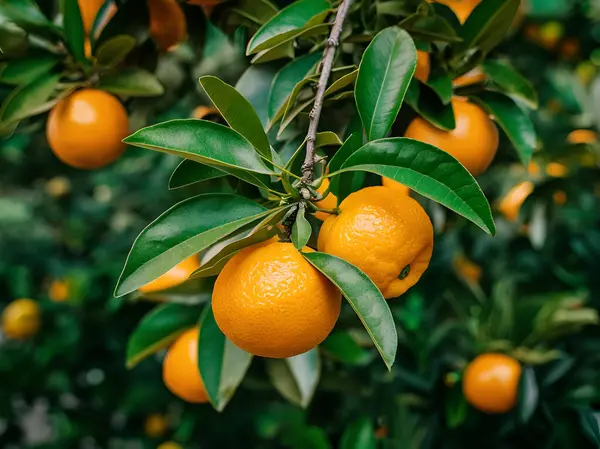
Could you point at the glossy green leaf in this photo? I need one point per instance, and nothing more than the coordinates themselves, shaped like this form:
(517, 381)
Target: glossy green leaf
(185, 229)
(238, 112)
(352, 144)
(507, 80)
(132, 81)
(285, 81)
(513, 120)
(190, 172)
(28, 15)
(114, 50)
(427, 103)
(327, 138)
(287, 23)
(158, 329)
(14, 40)
(456, 407)
(131, 18)
(359, 435)
(528, 395)
(301, 229)
(433, 28)
(25, 70)
(427, 170)
(257, 11)
(385, 71)
(73, 25)
(296, 378)
(254, 84)
(222, 365)
(590, 424)
(365, 298)
(285, 50)
(29, 99)
(342, 346)
(342, 83)
(440, 82)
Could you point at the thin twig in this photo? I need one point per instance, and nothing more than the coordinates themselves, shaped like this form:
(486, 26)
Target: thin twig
(315, 114)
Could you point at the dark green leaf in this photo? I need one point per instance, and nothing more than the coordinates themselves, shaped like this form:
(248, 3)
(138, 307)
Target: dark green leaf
(385, 71)
(528, 395)
(590, 424)
(287, 23)
(25, 70)
(427, 103)
(513, 120)
(342, 346)
(238, 113)
(254, 84)
(190, 172)
(510, 82)
(222, 365)
(327, 138)
(342, 83)
(301, 229)
(456, 407)
(132, 81)
(359, 435)
(14, 40)
(352, 143)
(296, 378)
(74, 28)
(185, 229)
(158, 329)
(29, 99)
(434, 28)
(114, 50)
(28, 15)
(365, 298)
(427, 170)
(131, 18)
(441, 83)
(285, 50)
(558, 370)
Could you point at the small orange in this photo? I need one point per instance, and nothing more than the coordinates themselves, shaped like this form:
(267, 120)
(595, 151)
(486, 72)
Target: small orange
(175, 276)
(156, 425)
(560, 197)
(329, 202)
(167, 23)
(21, 319)
(169, 445)
(461, 8)
(388, 236)
(467, 269)
(580, 136)
(423, 66)
(534, 168)
(399, 188)
(570, 48)
(180, 369)
(85, 129)
(381, 432)
(556, 170)
(59, 290)
(511, 204)
(474, 140)
(272, 302)
(490, 383)
(89, 9)
(473, 76)
(203, 111)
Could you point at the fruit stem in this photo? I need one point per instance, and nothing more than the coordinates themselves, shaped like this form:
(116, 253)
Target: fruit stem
(315, 114)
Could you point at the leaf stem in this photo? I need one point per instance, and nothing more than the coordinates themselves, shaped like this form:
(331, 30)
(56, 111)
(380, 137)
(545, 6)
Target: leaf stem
(315, 114)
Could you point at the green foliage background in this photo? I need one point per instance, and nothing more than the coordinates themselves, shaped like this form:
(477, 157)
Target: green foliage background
(537, 298)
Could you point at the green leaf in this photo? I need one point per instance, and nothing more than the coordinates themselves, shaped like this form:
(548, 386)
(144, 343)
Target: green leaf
(342, 83)
(359, 435)
(238, 113)
(222, 365)
(365, 298)
(14, 40)
(185, 229)
(427, 170)
(25, 70)
(254, 84)
(456, 407)
(29, 99)
(528, 395)
(351, 145)
(513, 120)
(158, 329)
(590, 424)
(433, 28)
(342, 346)
(427, 103)
(133, 82)
(440, 82)
(189, 172)
(507, 80)
(327, 138)
(301, 230)
(287, 23)
(385, 71)
(114, 51)
(28, 15)
(296, 378)
(131, 18)
(285, 81)
(74, 28)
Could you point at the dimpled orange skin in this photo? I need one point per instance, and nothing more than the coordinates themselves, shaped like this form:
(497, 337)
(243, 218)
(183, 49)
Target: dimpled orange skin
(473, 142)
(180, 369)
(21, 319)
(167, 23)
(329, 202)
(461, 8)
(175, 276)
(85, 129)
(490, 383)
(271, 302)
(381, 233)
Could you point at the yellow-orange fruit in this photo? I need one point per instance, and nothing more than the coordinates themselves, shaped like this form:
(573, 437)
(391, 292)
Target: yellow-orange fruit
(461, 8)
(21, 319)
(511, 204)
(399, 188)
(423, 66)
(175, 276)
(473, 76)
(579, 136)
(329, 202)
(167, 23)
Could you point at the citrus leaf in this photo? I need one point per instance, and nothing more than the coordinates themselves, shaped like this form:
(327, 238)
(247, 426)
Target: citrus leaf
(25, 70)
(590, 424)
(528, 395)
(185, 229)
(296, 378)
(440, 82)
(510, 82)
(130, 18)
(29, 99)
(427, 103)
(433, 28)
(222, 365)
(385, 71)
(513, 120)
(301, 229)
(158, 329)
(28, 15)
(365, 298)
(133, 82)
(427, 170)
(114, 50)
(254, 84)
(14, 40)
(327, 138)
(285, 48)
(352, 144)
(341, 83)
(342, 346)
(238, 112)
(359, 435)
(287, 23)
(189, 172)
(73, 25)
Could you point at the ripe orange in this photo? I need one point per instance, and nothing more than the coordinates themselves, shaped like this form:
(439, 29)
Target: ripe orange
(473, 142)
(167, 23)
(21, 319)
(560, 197)
(85, 129)
(461, 8)
(271, 302)
(386, 235)
(202, 111)
(180, 369)
(329, 202)
(473, 76)
(89, 9)
(511, 204)
(580, 136)
(556, 170)
(490, 383)
(467, 269)
(423, 66)
(175, 276)
(169, 445)
(156, 425)
(400, 189)
(59, 290)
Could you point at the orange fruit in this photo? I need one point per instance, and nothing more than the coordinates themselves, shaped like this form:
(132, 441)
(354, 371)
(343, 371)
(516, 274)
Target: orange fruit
(423, 66)
(156, 425)
(467, 269)
(399, 188)
(329, 202)
(490, 383)
(271, 302)
(202, 111)
(461, 8)
(556, 170)
(169, 445)
(533, 168)
(175, 276)
(388, 236)
(180, 369)
(560, 197)
(59, 290)
(570, 48)
(167, 23)
(511, 204)
(473, 141)
(381, 432)
(579, 136)
(473, 76)
(89, 9)
(21, 319)
(207, 5)
(85, 129)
